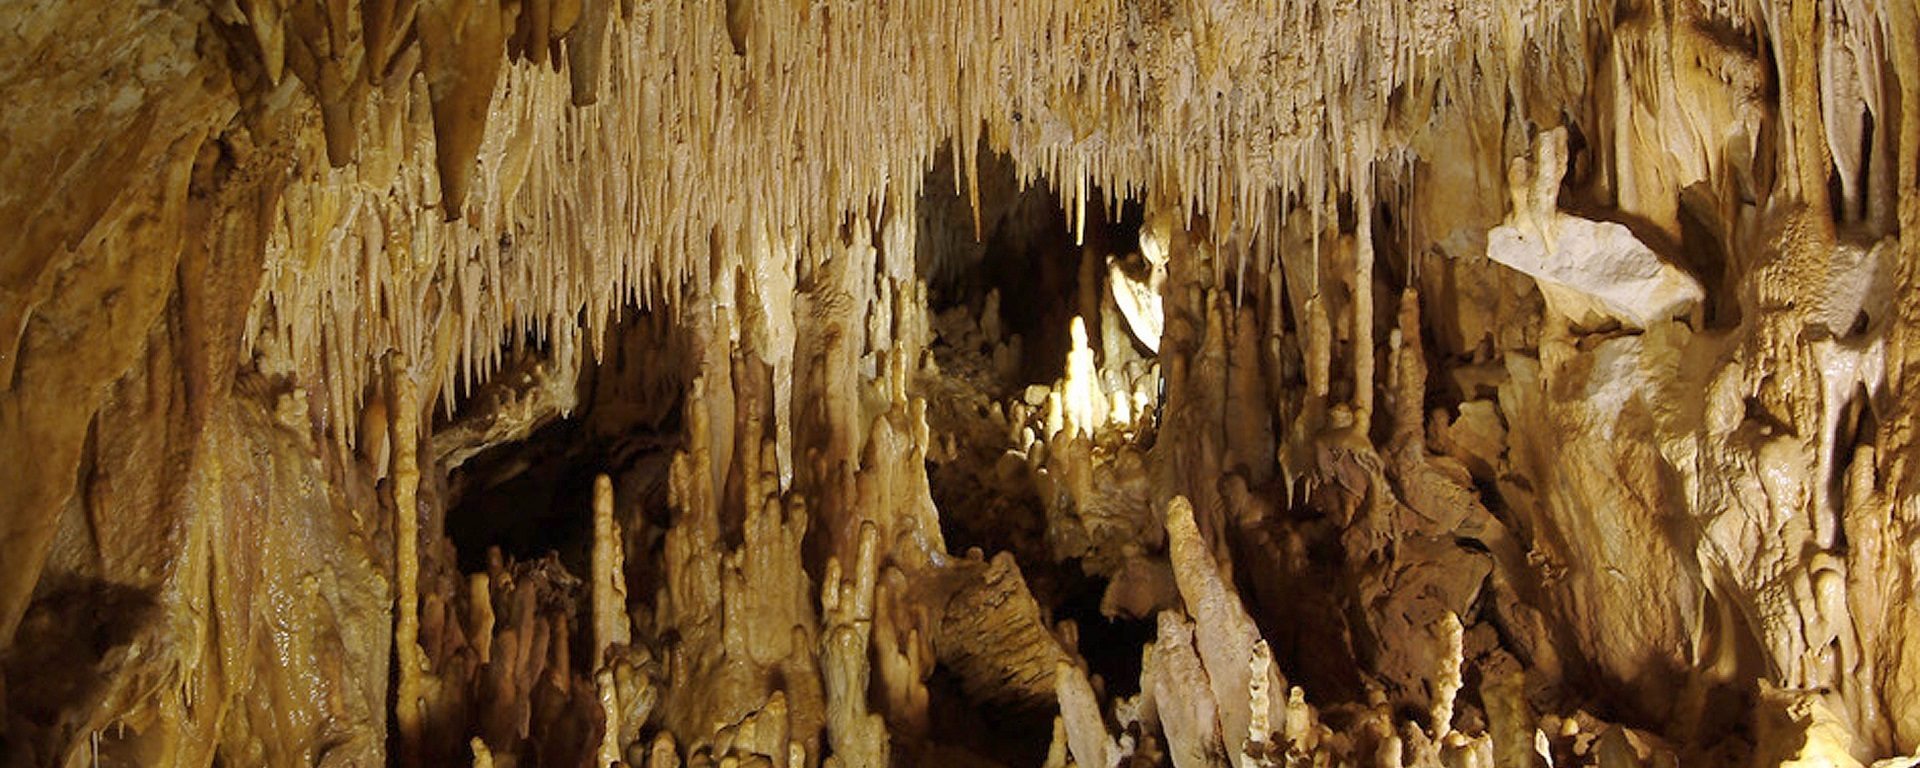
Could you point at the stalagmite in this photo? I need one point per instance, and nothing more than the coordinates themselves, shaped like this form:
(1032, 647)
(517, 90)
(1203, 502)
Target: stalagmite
(1084, 407)
(482, 757)
(859, 738)
(1450, 681)
(1224, 634)
(1080, 716)
(1187, 710)
(1260, 726)
(610, 622)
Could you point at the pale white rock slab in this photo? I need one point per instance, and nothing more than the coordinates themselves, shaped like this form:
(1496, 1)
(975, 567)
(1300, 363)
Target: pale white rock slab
(1595, 265)
(1583, 267)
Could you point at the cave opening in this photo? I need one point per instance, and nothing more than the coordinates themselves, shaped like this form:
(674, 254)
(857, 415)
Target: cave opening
(1019, 251)
(520, 453)
(1006, 283)
(1015, 293)
(1111, 644)
(508, 590)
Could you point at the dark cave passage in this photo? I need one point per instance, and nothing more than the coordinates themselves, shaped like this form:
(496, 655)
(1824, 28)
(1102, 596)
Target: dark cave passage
(534, 495)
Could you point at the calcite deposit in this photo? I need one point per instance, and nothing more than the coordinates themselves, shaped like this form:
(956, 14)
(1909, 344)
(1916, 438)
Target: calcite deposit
(960, 383)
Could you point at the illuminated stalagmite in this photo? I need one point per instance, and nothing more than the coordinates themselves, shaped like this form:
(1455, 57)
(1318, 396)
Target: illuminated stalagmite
(960, 382)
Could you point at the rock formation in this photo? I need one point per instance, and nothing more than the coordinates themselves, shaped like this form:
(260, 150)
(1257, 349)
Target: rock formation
(960, 382)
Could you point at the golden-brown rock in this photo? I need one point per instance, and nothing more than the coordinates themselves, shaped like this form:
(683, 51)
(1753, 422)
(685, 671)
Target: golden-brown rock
(331, 332)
